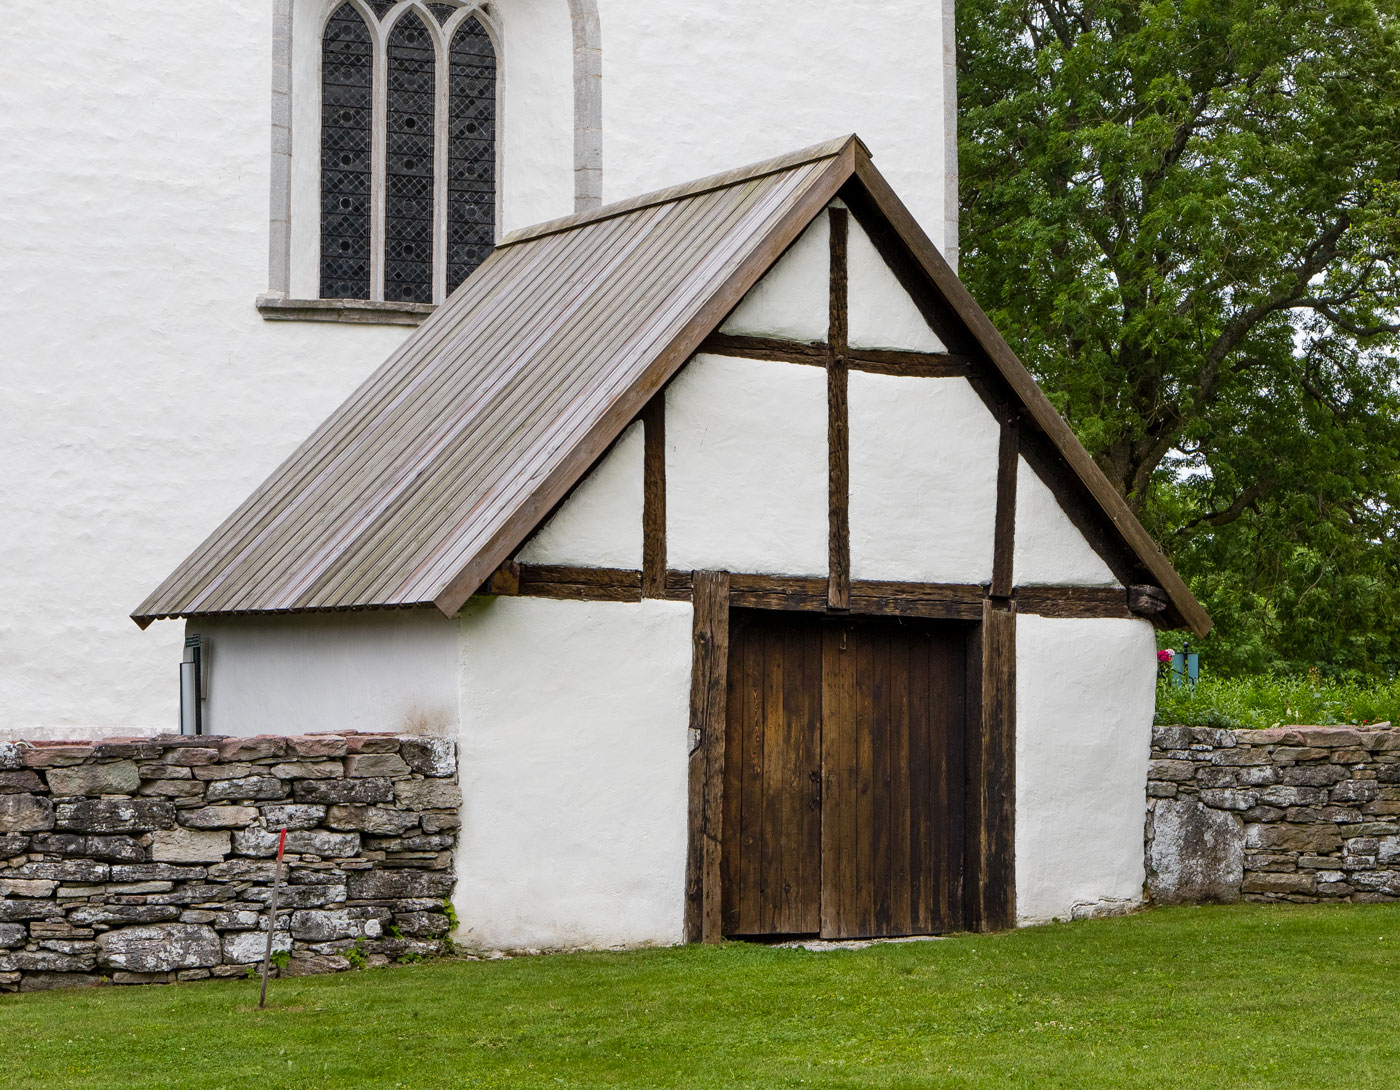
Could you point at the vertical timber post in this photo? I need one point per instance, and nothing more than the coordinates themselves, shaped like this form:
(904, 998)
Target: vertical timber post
(709, 680)
(991, 766)
(838, 592)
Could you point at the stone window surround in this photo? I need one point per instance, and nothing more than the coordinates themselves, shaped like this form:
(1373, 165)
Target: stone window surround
(276, 304)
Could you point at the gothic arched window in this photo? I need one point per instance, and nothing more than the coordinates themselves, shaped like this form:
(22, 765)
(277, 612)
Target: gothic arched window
(407, 213)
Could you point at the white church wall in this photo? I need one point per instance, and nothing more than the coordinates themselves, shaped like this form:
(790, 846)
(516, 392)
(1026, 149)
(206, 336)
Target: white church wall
(379, 670)
(1085, 695)
(144, 396)
(793, 299)
(600, 524)
(746, 467)
(923, 473)
(691, 90)
(573, 750)
(1049, 547)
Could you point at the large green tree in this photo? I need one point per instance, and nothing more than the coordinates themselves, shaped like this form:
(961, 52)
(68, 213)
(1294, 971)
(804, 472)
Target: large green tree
(1185, 216)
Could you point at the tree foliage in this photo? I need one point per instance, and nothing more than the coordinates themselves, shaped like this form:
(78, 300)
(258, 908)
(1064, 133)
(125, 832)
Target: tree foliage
(1185, 216)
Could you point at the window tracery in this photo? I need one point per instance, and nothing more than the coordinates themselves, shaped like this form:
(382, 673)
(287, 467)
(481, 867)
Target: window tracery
(431, 180)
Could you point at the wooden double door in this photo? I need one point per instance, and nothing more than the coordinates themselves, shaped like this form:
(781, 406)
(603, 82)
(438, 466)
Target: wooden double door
(844, 776)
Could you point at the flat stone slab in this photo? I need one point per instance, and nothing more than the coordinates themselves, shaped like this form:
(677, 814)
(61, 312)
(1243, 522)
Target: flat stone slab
(1197, 854)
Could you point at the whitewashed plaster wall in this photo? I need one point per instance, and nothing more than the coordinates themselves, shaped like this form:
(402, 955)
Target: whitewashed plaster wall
(573, 754)
(792, 300)
(144, 396)
(381, 670)
(923, 466)
(693, 89)
(1085, 693)
(746, 467)
(1049, 547)
(600, 524)
(880, 313)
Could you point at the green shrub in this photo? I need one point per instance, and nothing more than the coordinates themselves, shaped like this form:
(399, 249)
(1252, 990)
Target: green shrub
(1269, 700)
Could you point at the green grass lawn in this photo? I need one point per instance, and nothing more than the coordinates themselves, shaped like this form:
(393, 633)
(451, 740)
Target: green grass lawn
(1249, 996)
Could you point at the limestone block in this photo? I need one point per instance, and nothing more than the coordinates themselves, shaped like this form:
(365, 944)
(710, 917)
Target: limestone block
(1305, 838)
(246, 947)
(116, 915)
(308, 896)
(324, 844)
(252, 749)
(13, 934)
(371, 819)
(117, 848)
(316, 745)
(51, 755)
(26, 887)
(331, 791)
(293, 816)
(115, 778)
(1314, 775)
(373, 885)
(316, 964)
(1196, 854)
(436, 823)
(219, 817)
(231, 770)
(236, 919)
(428, 794)
(422, 924)
(190, 755)
(430, 756)
(1279, 883)
(190, 846)
(309, 770)
(375, 764)
(1171, 770)
(173, 789)
(25, 813)
(160, 948)
(10, 756)
(1292, 796)
(71, 870)
(323, 925)
(1356, 791)
(248, 788)
(1223, 798)
(42, 982)
(13, 909)
(115, 815)
(156, 872)
(1380, 881)
(12, 783)
(12, 844)
(50, 961)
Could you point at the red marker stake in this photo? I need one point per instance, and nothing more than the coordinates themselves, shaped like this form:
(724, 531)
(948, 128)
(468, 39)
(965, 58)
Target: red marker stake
(272, 916)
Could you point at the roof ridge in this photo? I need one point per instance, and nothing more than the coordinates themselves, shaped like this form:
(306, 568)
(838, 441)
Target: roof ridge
(828, 149)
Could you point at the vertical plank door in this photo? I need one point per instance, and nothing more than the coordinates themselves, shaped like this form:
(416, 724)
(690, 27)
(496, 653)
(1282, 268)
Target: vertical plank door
(893, 766)
(772, 788)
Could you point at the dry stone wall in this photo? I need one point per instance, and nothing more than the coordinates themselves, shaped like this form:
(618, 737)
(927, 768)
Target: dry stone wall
(1290, 814)
(151, 859)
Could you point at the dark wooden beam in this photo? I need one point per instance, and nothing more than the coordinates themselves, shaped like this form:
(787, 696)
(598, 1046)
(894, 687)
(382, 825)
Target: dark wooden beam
(654, 498)
(937, 601)
(580, 584)
(990, 882)
(1147, 599)
(1051, 601)
(505, 580)
(838, 592)
(1004, 534)
(709, 679)
(877, 361)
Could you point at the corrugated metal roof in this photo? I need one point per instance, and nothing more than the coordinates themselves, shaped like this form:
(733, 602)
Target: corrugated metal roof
(440, 464)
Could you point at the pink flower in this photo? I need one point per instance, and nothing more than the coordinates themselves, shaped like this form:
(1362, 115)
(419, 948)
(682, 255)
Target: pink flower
(1165, 655)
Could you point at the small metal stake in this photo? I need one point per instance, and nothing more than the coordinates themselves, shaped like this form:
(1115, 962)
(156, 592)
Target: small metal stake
(272, 917)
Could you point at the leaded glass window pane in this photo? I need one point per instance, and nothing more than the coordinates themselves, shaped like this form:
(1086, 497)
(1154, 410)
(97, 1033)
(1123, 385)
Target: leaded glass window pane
(408, 195)
(471, 151)
(441, 12)
(347, 66)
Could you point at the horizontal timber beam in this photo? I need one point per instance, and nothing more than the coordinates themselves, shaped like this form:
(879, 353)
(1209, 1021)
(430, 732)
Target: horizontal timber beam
(808, 593)
(876, 361)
